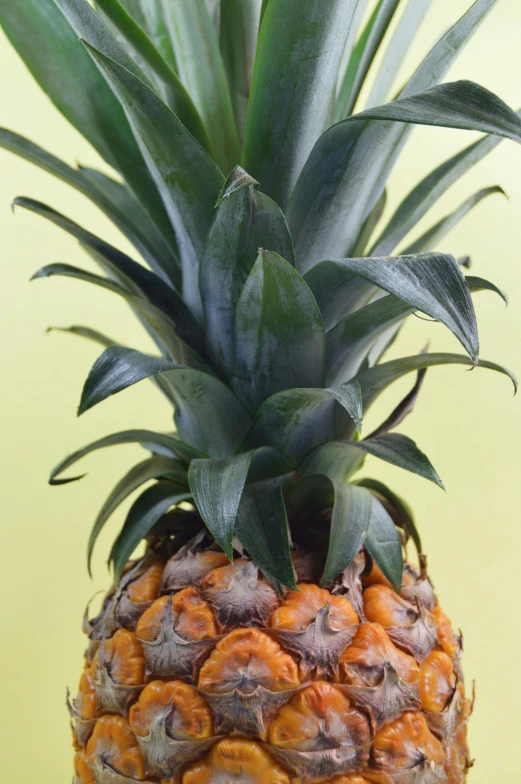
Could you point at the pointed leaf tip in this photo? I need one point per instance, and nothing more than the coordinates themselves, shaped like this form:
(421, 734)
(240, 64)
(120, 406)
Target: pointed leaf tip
(237, 179)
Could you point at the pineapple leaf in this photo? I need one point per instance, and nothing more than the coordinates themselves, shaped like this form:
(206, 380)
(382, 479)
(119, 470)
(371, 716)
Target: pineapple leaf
(363, 55)
(87, 333)
(187, 178)
(406, 519)
(401, 451)
(145, 512)
(403, 409)
(64, 71)
(430, 282)
(154, 467)
(207, 414)
(326, 213)
(340, 459)
(433, 236)
(246, 220)
(399, 45)
(174, 92)
(240, 20)
(350, 521)
(378, 378)
(419, 201)
(481, 284)
(163, 297)
(262, 528)
(298, 56)
(383, 544)
(295, 421)
(149, 15)
(167, 446)
(161, 328)
(114, 199)
(217, 487)
(201, 70)
(279, 333)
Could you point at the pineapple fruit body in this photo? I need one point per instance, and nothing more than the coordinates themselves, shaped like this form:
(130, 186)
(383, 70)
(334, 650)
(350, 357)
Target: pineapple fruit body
(197, 672)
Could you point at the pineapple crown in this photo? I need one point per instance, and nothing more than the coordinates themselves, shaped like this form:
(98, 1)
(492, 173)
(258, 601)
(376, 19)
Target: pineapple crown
(271, 294)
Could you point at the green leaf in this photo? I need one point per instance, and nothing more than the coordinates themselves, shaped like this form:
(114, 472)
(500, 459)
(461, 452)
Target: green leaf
(187, 178)
(480, 284)
(174, 92)
(75, 86)
(401, 451)
(168, 446)
(350, 521)
(160, 327)
(163, 297)
(207, 415)
(295, 421)
(240, 21)
(298, 56)
(246, 220)
(153, 21)
(201, 70)
(114, 199)
(398, 47)
(85, 332)
(430, 282)
(326, 213)
(146, 511)
(262, 528)
(279, 333)
(376, 379)
(405, 514)
(403, 409)
(433, 236)
(418, 202)
(153, 468)
(217, 487)
(383, 544)
(363, 55)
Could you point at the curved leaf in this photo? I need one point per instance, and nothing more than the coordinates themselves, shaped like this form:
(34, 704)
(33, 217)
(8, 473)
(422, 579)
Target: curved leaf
(207, 414)
(363, 55)
(350, 522)
(279, 333)
(384, 546)
(146, 511)
(85, 332)
(187, 178)
(403, 409)
(326, 213)
(395, 53)
(153, 468)
(430, 282)
(376, 379)
(168, 446)
(201, 70)
(405, 514)
(163, 297)
(298, 56)
(246, 220)
(436, 233)
(335, 459)
(174, 92)
(401, 451)
(295, 421)
(161, 328)
(419, 201)
(262, 528)
(217, 487)
(114, 199)
(368, 228)
(240, 20)
(75, 86)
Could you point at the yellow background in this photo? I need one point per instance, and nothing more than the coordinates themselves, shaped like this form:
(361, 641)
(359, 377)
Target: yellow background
(469, 424)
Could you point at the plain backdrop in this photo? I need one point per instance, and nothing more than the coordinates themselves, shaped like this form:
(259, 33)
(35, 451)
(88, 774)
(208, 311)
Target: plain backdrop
(468, 422)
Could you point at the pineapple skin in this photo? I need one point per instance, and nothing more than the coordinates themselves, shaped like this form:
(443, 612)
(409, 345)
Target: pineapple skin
(197, 672)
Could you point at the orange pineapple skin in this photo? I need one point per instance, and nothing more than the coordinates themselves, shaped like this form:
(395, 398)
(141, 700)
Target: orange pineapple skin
(197, 672)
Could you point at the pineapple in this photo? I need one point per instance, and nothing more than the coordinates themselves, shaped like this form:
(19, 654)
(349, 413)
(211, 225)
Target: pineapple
(269, 631)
